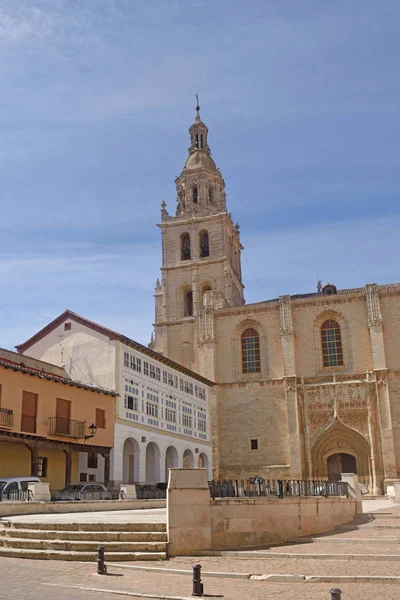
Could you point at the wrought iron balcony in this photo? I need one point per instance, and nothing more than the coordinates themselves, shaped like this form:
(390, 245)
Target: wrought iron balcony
(6, 418)
(67, 427)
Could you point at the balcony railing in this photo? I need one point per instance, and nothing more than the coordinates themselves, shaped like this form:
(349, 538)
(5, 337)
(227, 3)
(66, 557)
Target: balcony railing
(28, 424)
(67, 427)
(6, 418)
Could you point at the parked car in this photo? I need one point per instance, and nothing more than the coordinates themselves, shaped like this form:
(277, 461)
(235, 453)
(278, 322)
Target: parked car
(82, 491)
(147, 492)
(16, 488)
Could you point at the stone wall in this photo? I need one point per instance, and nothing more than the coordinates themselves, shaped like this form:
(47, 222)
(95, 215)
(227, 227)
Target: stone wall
(197, 523)
(247, 522)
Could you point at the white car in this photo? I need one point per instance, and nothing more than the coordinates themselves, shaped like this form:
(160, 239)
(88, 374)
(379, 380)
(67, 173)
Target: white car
(16, 488)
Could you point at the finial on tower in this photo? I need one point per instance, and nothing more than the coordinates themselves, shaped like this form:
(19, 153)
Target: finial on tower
(197, 108)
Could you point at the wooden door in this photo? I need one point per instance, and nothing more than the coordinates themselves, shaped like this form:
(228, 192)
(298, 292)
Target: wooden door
(29, 410)
(63, 414)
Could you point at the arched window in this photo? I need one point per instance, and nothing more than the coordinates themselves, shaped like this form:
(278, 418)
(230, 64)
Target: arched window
(204, 246)
(331, 340)
(210, 197)
(188, 304)
(185, 246)
(195, 194)
(251, 351)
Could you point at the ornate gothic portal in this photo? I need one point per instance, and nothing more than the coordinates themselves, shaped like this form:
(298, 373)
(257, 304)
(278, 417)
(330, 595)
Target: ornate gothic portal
(340, 447)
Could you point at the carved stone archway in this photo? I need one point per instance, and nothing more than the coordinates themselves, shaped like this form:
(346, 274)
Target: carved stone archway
(341, 439)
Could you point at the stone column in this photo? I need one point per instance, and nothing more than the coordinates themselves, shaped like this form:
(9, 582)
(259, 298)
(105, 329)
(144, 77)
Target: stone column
(106, 456)
(34, 459)
(68, 465)
(163, 474)
(381, 386)
(289, 373)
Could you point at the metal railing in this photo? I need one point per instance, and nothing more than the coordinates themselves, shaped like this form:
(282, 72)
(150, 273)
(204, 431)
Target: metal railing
(6, 417)
(67, 427)
(16, 496)
(73, 495)
(279, 488)
(28, 424)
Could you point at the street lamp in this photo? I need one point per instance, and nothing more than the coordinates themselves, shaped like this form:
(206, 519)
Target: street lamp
(92, 431)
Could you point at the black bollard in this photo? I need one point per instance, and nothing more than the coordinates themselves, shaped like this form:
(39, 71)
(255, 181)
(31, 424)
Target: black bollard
(101, 567)
(197, 585)
(336, 594)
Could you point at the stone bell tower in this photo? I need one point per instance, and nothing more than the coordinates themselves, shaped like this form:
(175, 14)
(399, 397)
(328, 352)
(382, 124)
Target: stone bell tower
(201, 267)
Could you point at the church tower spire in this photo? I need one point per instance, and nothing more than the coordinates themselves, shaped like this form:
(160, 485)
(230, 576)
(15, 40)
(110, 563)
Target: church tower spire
(200, 187)
(201, 267)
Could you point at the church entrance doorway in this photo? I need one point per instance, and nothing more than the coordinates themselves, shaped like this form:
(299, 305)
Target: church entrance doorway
(341, 463)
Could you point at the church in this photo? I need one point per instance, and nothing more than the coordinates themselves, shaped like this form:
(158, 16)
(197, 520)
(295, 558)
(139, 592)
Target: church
(307, 386)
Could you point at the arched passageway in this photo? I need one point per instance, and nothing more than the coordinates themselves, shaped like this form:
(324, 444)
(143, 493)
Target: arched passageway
(131, 461)
(203, 463)
(171, 460)
(152, 463)
(188, 459)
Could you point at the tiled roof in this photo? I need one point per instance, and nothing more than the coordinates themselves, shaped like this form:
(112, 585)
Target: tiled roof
(112, 335)
(21, 367)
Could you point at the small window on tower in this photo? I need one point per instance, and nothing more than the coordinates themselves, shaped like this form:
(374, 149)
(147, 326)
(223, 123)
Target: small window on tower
(67, 326)
(204, 244)
(195, 194)
(201, 141)
(185, 246)
(188, 305)
(254, 444)
(196, 144)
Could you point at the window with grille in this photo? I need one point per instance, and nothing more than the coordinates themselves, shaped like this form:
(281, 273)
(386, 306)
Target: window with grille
(251, 351)
(331, 340)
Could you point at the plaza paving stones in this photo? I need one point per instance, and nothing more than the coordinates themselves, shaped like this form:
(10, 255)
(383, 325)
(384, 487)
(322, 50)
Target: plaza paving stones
(292, 571)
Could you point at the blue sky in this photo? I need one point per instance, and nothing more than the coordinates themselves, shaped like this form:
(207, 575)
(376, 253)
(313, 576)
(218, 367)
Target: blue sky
(302, 103)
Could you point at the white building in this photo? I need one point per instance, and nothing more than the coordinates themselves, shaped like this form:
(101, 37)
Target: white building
(162, 414)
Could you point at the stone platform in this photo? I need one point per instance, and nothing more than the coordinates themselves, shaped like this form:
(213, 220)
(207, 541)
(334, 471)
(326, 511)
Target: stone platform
(126, 536)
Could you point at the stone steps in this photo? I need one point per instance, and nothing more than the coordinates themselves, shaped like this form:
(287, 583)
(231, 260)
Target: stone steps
(82, 546)
(106, 527)
(72, 541)
(80, 556)
(95, 536)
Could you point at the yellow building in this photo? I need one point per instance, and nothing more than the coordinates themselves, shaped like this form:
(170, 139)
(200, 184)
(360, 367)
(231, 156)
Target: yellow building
(47, 419)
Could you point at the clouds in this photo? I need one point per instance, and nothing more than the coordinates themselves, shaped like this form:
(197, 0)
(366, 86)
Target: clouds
(348, 254)
(302, 103)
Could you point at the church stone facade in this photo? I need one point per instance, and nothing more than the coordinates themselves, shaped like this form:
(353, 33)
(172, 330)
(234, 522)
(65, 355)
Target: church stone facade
(308, 386)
